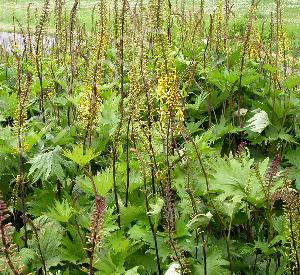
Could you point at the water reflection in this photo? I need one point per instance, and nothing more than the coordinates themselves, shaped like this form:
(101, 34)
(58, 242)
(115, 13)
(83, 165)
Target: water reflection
(7, 41)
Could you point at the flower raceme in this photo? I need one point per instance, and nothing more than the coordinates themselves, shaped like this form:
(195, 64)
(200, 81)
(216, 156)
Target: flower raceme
(89, 107)
(169, 96)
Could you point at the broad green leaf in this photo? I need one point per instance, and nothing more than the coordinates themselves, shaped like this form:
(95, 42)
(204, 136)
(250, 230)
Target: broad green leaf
(108, 264)
(231, 176)
(274, 133)
(259, 121)
(61, 211)
(50, 235)
(293, 157)
(109, 119)
(80, 157)
(270, 68)
(199, 220)
(32, 137)
(118, 243)
(216, 264)
(132, 271)
(237, 181)
(8, 102)
(292, 82)
(265, 247)
(249, 77)
(8, 142)
(181, 227)
(49, 164)
(103, 182)
(156, 207)
(40, 201)
(63, 137)
(71, 249)
(130, 213)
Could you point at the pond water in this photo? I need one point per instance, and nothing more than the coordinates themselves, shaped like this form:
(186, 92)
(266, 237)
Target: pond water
(7, 40)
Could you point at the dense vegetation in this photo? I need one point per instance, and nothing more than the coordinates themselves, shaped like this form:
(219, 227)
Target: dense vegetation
(162, 139)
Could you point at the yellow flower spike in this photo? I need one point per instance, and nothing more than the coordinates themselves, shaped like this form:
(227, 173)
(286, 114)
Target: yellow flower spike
(89, 108)
(169, 96)
(18, 179)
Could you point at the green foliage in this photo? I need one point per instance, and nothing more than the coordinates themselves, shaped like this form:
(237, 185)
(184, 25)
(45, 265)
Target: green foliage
(44, 246)
(259, 121)
(161, 138)
(8, 102)
(61, 211)
(293, 157)
(79, 156)
(71, 246)
(49, 164)
(103, 182)
(237, 180)
(200, 220)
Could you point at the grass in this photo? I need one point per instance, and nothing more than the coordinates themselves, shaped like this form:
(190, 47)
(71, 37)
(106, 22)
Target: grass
(18, 9)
